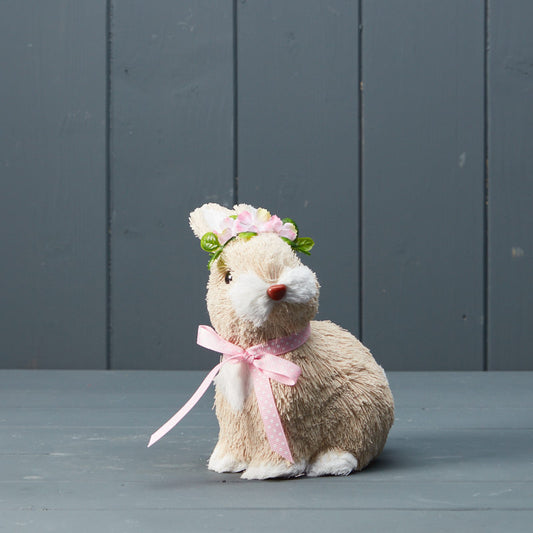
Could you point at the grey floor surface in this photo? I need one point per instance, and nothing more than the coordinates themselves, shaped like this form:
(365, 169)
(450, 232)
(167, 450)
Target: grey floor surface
(73, 458)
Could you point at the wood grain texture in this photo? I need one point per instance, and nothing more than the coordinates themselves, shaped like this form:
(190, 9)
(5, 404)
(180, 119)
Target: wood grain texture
(74, 457)
(510, 170)
(180, 94)
(423, 172)
(172, 150)
(52, 184)
(298, 133)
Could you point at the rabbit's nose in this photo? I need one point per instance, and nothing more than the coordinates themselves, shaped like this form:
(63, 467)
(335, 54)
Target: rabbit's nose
(277, 292)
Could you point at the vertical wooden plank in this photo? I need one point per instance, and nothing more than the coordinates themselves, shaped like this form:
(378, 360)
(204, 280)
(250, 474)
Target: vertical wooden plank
(52, 185)
(510, 119)
(423, 172)
(298, 133)
(172, 150)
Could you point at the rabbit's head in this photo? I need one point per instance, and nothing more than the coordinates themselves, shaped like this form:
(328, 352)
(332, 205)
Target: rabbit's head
(258, 288)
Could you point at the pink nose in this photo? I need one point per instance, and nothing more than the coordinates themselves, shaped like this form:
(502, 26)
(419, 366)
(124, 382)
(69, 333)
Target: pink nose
(277, 292)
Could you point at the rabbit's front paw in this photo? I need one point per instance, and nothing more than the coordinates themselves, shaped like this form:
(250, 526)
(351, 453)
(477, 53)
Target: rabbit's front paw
(267, 470)
(332, 463)
(224, 462)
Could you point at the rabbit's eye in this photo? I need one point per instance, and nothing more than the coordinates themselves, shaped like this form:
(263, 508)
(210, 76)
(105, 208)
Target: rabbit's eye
(228, 277)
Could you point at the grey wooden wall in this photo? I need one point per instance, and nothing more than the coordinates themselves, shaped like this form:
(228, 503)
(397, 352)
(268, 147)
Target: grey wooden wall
(398, 134)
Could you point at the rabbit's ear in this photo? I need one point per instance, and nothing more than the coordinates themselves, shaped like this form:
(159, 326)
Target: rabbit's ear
(208, 218)
(244, 207)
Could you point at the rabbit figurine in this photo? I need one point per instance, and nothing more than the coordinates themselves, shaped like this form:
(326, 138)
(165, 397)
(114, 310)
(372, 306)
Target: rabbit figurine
(335, 414)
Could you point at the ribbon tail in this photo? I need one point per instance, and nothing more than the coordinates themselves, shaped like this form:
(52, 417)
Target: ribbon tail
(167, 426)
(269, 413)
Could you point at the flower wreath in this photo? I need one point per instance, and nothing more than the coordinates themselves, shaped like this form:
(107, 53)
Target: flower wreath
(248, 224)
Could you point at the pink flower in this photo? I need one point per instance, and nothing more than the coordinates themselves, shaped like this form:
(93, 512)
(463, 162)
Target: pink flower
(245, 222)
(273, 225)
(258, 221)
(276, 225)
(226, 230)
(288, 231)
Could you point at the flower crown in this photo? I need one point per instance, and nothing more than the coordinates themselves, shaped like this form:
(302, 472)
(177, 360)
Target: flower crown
(248, 224)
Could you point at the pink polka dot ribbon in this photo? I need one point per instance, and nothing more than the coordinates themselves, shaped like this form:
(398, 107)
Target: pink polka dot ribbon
(264, 365)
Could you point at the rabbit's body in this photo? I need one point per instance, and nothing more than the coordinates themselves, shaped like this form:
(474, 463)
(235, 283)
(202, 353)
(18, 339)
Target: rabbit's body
(341, 403)
(338, 414)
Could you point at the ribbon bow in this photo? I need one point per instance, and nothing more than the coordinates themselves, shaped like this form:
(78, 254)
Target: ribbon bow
(264, 365)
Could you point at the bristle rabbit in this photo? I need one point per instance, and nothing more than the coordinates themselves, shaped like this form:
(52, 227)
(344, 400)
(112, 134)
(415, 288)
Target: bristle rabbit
(337, 416)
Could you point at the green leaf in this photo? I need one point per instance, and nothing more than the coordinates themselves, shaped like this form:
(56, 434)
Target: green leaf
(210, 242)
(214, 257)
(291, 221)
(304, 245)
(247, 235)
